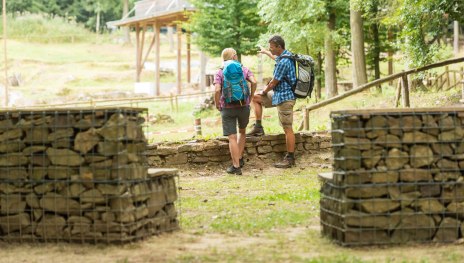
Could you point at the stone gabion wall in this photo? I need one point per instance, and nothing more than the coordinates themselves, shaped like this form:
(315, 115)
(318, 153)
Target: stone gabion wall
(217, 150)
(80, 175)
(397, 177)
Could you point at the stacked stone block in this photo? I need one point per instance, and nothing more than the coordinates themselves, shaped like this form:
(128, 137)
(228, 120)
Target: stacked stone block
(81, 175)
(217, 150)
(397, 177)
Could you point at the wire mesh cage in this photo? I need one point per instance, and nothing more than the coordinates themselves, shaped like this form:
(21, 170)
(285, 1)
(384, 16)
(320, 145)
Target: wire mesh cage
(397, 177)
(81, 175)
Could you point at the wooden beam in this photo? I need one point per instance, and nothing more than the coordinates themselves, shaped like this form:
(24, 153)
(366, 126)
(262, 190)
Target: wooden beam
(137, 51)
(179, 58)
(157, 59)
(149, 47)
(142, 42)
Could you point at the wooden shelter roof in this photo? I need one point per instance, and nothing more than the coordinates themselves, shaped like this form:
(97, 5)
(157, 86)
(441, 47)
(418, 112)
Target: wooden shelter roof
(163, 12)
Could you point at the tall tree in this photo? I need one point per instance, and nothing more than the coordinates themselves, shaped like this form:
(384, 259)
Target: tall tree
(219, 24)
(311, 27)
(357, 44)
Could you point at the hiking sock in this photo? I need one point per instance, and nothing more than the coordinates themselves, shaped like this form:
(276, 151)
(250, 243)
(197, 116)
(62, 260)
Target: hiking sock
(258, 123)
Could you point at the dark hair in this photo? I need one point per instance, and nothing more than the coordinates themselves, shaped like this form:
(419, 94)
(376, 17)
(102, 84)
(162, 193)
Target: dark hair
(278, 41)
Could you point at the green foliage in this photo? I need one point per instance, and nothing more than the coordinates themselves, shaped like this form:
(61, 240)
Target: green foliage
(81, 11)
(220, 24)
(300, 22)
(45, 29)
(423, 24)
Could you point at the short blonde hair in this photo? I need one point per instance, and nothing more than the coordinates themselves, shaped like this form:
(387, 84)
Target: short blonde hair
(228, 54)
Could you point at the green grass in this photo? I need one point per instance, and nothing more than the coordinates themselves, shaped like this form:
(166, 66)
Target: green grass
(249, 204)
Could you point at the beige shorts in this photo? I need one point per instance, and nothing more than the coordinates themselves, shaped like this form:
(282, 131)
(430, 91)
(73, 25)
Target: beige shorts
(284, 109)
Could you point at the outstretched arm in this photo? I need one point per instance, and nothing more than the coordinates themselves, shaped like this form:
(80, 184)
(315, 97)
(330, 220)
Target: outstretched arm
(266, 52)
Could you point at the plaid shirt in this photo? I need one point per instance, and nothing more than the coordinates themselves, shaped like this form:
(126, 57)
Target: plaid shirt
(284, 72)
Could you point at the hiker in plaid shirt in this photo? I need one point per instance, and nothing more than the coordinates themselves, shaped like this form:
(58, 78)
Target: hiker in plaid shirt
(278, 93)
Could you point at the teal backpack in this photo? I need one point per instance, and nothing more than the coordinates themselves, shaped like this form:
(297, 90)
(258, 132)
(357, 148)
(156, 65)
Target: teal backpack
(235, 88)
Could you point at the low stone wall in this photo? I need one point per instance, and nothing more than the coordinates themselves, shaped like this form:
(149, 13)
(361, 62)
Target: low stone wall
(397, 177)
(217, 150)
(81, 175)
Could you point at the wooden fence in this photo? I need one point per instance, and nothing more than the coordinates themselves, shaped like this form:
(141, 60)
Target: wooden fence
(129, 101)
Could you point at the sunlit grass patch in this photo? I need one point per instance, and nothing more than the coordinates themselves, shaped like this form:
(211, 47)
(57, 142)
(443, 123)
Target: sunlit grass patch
(249, 204)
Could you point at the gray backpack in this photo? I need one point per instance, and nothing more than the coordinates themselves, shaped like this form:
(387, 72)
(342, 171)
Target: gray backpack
(304, 67)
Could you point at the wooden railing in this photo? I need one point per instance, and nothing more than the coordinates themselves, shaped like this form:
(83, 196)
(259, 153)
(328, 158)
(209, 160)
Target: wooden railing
(403, 88)
(130, 101)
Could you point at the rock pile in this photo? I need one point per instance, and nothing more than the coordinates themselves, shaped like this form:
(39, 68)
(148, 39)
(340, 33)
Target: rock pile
(217, 150)
(80, 175)
(397, 177)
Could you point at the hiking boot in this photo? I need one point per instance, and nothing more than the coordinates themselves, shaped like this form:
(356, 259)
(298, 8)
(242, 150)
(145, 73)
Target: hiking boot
(285, 163)
(241, 162)
(256, 131)
(234, 170)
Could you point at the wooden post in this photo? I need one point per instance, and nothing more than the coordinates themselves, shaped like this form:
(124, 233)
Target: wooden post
(171, 99)
(203, 61)
(5, 91)
(306, 120)
(462, 92)
(179, 58)
(189, 77)
(137, 57)
(461, 73)
(398, 94)
(405, 90)
(157, 59)
(197, 127)
(177, 103)
(260, 69)
(448, 79)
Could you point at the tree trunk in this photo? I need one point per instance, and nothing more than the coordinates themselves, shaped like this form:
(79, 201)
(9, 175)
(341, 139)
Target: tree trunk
(97, 24)
(376, 52)
(319, 76)
(125, 10)
(456, 38)
(330, 60)
(357, 48)
(390, 54)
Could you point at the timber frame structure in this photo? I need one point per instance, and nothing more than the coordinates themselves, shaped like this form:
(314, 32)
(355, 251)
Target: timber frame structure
(156, 14)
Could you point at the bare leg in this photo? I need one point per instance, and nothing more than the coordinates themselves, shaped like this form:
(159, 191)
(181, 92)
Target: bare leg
(234, 150)
(257, 106)
(241, 141)
(290, 139)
